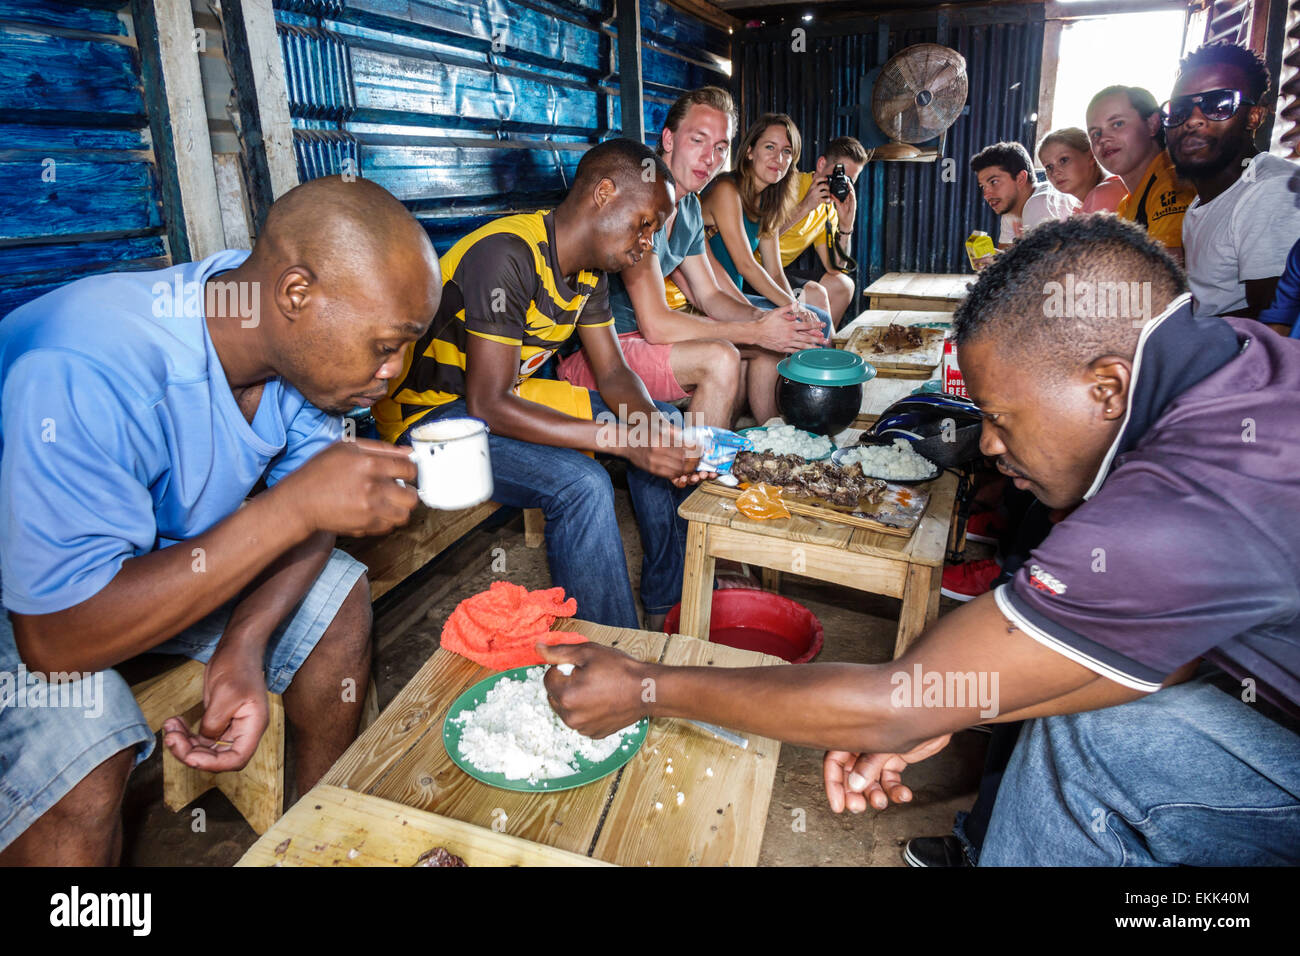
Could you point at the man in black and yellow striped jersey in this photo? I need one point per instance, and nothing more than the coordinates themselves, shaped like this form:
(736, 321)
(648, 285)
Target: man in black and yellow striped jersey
(513, 292)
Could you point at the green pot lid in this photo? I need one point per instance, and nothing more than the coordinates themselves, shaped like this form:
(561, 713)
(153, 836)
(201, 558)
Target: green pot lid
(826, 367)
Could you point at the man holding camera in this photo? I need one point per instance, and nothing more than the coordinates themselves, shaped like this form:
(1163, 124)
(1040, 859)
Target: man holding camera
(824, 219)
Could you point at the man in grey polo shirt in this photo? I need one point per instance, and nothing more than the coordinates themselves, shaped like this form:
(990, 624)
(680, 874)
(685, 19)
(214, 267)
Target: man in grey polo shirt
(727, 351)
(1151, 644)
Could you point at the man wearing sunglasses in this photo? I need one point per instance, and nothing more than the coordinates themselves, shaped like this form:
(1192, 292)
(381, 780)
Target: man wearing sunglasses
(1246, 215)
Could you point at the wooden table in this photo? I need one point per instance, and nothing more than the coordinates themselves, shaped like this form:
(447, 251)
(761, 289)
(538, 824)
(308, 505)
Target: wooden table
(397, 775)
(889, 385)
(879, 318)
(921, 291)
(908, 568)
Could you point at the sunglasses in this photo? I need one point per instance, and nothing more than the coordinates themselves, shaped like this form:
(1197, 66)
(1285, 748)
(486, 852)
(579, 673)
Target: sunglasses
(1216, 106)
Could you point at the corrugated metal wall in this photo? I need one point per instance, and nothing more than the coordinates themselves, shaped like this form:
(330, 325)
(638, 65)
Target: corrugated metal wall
(81, 189)
(467, 110)
(912, 217)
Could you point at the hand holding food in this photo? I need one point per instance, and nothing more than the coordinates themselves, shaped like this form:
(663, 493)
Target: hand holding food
(607, 691)
(853, 781)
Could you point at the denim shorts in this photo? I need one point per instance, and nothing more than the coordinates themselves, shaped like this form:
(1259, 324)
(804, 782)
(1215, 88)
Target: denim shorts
(1187, 775)
(52, 735)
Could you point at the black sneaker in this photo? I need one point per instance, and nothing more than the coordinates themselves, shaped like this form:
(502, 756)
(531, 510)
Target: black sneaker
(935, 851)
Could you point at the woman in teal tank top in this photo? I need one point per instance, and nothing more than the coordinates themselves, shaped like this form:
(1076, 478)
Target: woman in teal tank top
(745, 209)
(722, 258)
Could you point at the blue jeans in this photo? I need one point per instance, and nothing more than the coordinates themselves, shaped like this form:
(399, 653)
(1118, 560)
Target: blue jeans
(822, 314)
(583, 545)
(47, 750)
(1187, 775)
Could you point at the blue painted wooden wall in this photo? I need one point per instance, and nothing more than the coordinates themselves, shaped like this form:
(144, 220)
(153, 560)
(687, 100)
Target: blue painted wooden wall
(466, 109)
(912, 217)
(79, 188)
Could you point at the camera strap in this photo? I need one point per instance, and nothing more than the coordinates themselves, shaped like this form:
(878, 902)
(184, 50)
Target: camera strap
(839, 259)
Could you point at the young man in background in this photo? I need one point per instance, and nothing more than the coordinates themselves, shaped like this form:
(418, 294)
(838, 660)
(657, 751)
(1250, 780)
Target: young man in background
(1006, 178)
(1127, 137)
(515, 291)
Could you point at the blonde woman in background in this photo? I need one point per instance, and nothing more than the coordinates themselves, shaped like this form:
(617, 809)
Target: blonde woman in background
(745, 208)
(1072, 168)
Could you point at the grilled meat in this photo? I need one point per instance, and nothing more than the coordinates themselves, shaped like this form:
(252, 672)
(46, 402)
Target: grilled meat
(823, 480)
(439, 856)
(897, 338)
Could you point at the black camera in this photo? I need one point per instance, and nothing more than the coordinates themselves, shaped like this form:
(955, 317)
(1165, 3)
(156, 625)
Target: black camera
(839, 184)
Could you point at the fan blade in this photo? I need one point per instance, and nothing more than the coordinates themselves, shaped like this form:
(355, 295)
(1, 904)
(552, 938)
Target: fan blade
(945, 77)
(926, 120)
(896, 103)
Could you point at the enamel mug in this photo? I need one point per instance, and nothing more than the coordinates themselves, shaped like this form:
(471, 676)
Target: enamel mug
(455, 470)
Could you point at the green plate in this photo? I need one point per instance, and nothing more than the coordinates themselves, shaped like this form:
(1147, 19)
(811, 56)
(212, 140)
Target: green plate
(588, 772)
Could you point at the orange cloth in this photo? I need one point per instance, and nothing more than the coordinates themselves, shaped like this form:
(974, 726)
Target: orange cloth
(498, 627)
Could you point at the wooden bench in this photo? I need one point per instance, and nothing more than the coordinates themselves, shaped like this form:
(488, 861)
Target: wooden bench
(393, 557)
(918, 291)
(257, 791)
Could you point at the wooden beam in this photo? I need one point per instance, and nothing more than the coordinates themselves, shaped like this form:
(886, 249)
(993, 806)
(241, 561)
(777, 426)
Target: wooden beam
(710, 13)
(1047, 78)
(628, 18)
(1056, 10)
(262, 98)
(178, 123)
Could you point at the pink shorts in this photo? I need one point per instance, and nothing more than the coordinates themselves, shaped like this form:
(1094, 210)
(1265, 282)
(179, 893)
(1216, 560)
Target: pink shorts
(650, 362)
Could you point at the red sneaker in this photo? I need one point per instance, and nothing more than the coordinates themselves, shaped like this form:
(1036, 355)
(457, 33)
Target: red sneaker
(963, 582)
(986, 526)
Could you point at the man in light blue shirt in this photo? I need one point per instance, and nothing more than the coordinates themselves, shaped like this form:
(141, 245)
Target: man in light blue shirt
(138, 411)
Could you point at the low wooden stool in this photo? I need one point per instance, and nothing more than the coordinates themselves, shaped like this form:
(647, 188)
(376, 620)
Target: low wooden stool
(910, 569)
(257, 791)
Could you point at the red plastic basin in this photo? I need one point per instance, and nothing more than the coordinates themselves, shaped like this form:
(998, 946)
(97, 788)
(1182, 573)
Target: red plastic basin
(755, 620)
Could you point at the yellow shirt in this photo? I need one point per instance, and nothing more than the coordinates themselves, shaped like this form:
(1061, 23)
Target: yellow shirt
(808, 231)
(674, 296)
(1159, 202)
(502, 283)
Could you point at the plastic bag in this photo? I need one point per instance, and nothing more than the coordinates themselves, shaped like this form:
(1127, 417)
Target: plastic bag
(718, 449)
(762, 501)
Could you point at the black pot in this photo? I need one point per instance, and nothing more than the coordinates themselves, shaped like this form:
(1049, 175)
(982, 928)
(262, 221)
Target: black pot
(821, 409)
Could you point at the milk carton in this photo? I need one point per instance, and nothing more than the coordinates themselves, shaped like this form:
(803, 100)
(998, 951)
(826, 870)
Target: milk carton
(979, 245)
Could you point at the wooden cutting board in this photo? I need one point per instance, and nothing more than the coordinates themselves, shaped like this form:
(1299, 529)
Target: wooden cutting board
(898, 511)
(922, 359)
(331, 826)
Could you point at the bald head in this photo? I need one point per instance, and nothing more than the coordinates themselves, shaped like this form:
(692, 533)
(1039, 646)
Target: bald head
(348, 277)
(344, 228)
